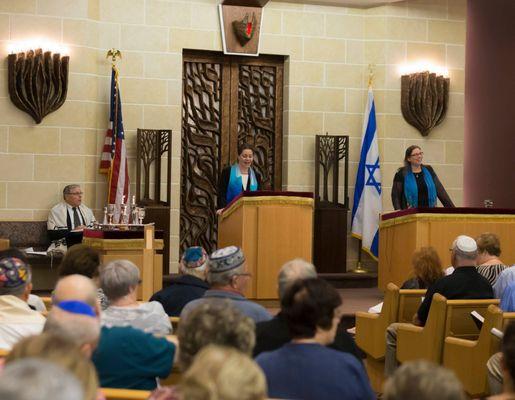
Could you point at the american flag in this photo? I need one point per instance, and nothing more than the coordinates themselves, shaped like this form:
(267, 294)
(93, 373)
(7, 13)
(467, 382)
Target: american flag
(114, 154)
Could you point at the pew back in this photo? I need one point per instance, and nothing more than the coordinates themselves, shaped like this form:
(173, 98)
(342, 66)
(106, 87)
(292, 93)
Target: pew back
(446, 318)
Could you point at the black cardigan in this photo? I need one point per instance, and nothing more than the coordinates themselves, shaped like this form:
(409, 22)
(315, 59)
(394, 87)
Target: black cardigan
(398, 198)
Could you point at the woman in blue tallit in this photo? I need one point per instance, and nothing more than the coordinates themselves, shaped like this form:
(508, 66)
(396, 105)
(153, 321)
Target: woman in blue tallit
(238, 177)
(416, 185)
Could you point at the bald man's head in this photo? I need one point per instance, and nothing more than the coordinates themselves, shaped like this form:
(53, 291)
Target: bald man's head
(294, 270)
(76, 287)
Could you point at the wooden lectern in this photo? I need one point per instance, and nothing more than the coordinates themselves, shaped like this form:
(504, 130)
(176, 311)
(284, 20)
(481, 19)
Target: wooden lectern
(403, 232)
(137, 246)
(271, 228)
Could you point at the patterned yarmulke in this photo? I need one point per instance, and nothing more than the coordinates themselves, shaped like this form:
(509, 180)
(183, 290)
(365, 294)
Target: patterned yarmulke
(194, 257)
(225, 259)
(13, 273)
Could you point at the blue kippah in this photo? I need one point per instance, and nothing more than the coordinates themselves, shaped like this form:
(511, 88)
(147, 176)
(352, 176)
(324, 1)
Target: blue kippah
(77, 307)
(193, 254)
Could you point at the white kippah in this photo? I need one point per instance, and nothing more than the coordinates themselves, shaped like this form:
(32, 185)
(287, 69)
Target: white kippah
(466, 244)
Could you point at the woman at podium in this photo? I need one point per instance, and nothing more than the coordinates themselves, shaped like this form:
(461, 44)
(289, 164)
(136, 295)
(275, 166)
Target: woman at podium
(416, 184)
(238, 177)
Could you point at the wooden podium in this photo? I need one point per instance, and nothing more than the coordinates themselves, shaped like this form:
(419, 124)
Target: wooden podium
(138, 246)
(271, 228)
(403, 232)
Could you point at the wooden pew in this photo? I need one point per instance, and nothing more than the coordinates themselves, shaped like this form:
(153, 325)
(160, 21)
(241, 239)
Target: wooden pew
(125, 394)
(467, 358)
(446, 318)
(399, 306)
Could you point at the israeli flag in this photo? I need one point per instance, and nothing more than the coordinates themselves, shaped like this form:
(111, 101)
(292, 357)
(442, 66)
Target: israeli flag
(367, 195)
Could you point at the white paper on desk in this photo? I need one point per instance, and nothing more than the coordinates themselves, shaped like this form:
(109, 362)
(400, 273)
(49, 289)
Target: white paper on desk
(30, 250)
(376, 309)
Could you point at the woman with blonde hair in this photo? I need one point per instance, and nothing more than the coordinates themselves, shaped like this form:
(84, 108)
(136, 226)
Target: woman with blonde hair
(218, 373)
(60, 351)
(488, 252)
(427, 269)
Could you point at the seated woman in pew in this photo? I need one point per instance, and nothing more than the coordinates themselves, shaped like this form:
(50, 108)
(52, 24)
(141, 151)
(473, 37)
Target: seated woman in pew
(423, 380)
(218, 372)
(119, 280)
(427, 269)
(306, 368)
(488, 262)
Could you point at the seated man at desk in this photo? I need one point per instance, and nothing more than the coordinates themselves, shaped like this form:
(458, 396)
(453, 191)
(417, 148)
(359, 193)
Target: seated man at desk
(69, 217)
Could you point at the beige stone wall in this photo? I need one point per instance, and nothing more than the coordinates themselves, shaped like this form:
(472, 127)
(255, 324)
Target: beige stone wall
(328, 48)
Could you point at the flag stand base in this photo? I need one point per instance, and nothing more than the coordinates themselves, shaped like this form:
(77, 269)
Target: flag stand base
(359, 269)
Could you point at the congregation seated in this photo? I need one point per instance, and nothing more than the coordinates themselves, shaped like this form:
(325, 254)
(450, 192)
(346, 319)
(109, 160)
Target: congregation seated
(218, 372)
(427, 269)
(488, 252)
(305, 368)
(189, 285)
(423, 380)
(119, 281)
(218, 322)
(124, 357)
(228, 279)
(17, 319)
(34, 378)
(464, 283)
(61, 351)
(270, 335)
(83, 260)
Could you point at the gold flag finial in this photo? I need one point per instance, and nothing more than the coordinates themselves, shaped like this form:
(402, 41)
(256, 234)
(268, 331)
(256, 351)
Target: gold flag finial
(114, 54)
(370, 74)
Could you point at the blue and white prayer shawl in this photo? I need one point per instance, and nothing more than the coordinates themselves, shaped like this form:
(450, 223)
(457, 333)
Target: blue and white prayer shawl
(235, 186)
(411, 189)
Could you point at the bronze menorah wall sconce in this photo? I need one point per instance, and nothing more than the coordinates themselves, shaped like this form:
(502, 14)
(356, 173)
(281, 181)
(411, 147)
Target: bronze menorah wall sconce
(38, 81)
(424, 100)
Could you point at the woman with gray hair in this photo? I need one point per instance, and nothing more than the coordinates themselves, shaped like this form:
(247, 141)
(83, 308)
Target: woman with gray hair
(119, 280)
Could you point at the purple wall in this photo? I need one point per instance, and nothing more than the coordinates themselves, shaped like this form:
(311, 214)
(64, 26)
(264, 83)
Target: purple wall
(489, 170)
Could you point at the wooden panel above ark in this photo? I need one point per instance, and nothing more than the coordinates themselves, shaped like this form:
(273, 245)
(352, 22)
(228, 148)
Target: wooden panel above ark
(241, 28)
(245, 3)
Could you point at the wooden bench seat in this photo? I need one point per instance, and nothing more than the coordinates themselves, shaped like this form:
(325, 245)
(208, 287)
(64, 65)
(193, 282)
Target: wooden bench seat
(399, 305)
(446, 318)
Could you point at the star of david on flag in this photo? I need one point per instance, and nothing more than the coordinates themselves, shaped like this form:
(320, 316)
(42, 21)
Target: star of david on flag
(367, 205)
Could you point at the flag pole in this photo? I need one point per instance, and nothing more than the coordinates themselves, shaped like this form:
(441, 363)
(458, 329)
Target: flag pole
(359, 266)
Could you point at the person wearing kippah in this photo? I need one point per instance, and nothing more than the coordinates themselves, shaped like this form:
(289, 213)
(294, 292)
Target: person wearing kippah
(228, 278)
(464, 283)
(189, 285)
(17, 319)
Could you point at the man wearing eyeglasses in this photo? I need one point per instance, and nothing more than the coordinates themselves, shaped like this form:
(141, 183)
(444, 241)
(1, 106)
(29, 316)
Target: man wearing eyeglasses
(70, 216)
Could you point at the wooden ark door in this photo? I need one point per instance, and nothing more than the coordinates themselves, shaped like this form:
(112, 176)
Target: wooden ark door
(226, 101)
